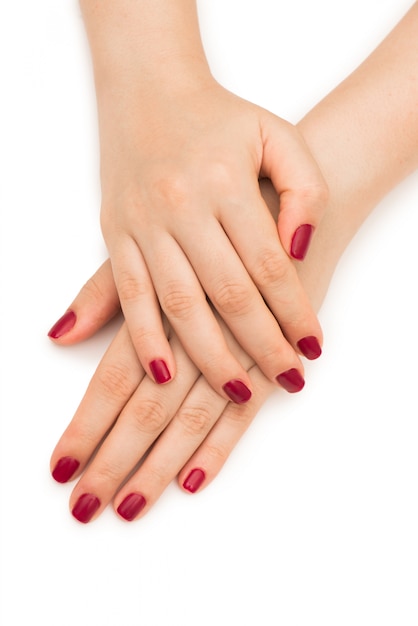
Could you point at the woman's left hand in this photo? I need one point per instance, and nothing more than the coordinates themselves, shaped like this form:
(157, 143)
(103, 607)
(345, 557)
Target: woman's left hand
(186, 428)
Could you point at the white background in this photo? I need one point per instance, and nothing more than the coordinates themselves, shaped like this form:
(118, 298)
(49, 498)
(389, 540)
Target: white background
(314, 518)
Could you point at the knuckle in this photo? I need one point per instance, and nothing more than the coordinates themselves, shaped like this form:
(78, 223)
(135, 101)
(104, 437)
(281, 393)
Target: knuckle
(115, 381)
(171, 190)
(219, 174)
(315, 195)
(238, 413)
(196, 420)
(108, 472)
(129, 288)
(216, 452)
(93, 289)
(158, 475)
(272, 269)
(176, 303)
(150, 416)
(86, 431)
(231, 298)
(279, 356)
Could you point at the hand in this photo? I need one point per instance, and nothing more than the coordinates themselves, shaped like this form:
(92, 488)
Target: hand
(182, 214)
(183, 429)
(359, 175)
(186, 428)
(183, 218)
(123, 413)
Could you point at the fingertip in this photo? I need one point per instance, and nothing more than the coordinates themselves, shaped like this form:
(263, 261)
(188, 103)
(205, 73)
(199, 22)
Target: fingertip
(310, 347)
(291, 380)
(131, 506)
(63, 326)
(301, 241)
(160, 371)
(64, 469)
(237, 391)
(194, 480)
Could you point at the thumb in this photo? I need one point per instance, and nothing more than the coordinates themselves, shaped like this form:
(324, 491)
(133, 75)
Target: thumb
(298, 180)
(96, 303)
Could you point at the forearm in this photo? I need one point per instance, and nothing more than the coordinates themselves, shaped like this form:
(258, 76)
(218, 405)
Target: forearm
(364, 135)
(150, 43)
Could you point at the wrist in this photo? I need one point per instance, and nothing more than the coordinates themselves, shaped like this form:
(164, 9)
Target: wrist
(145, 45)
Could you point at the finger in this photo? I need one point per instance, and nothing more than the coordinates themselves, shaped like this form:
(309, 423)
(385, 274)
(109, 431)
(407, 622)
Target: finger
(183, 435)
(256, 240)
(204, 465)
(298, 181)
(96, 304)
(139, 424)
(240, 304)
(184, 303)
(196, 443)
(141, 309)
(110, 388)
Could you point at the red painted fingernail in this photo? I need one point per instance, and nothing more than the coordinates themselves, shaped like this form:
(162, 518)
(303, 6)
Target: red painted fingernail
(85, 507)
(160, 371)
(292, 380)
(63, 326)
(194, 480)
(65, 468)
(300, 242)
(309, 346)
(237, 391)
(131, 506)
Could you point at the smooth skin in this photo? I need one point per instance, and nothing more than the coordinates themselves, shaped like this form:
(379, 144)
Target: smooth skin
(364, 135)
(182, 214)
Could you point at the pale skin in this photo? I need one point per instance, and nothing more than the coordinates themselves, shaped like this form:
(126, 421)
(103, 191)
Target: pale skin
(182, 214)
(197, 428)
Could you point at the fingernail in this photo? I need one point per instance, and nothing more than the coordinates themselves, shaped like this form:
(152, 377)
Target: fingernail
(63, 326)
(194, 480)
(291, 380)
(237, 391)
(300, 242)
(131, 506)
(309, 346)
(65, 468)
(85, 507)
(160, 371)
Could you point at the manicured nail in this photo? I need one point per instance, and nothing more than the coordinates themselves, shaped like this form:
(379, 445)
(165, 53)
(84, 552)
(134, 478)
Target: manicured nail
(85, 507)
(309, 346)
(131, 506)
(63, 326)
(300, 242)
(160, 371)
(194, 480)
(237, 391)
(65, 468)
(292, 380)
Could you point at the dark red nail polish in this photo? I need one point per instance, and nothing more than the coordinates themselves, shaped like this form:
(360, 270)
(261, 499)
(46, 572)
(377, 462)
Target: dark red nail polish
(131, 506)
(300, 242)
(160, 371)
(237, 391)
(65, 468)
(309, 346)
(194, 480)
(292, 380)
(85, 507)
(63, 326)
